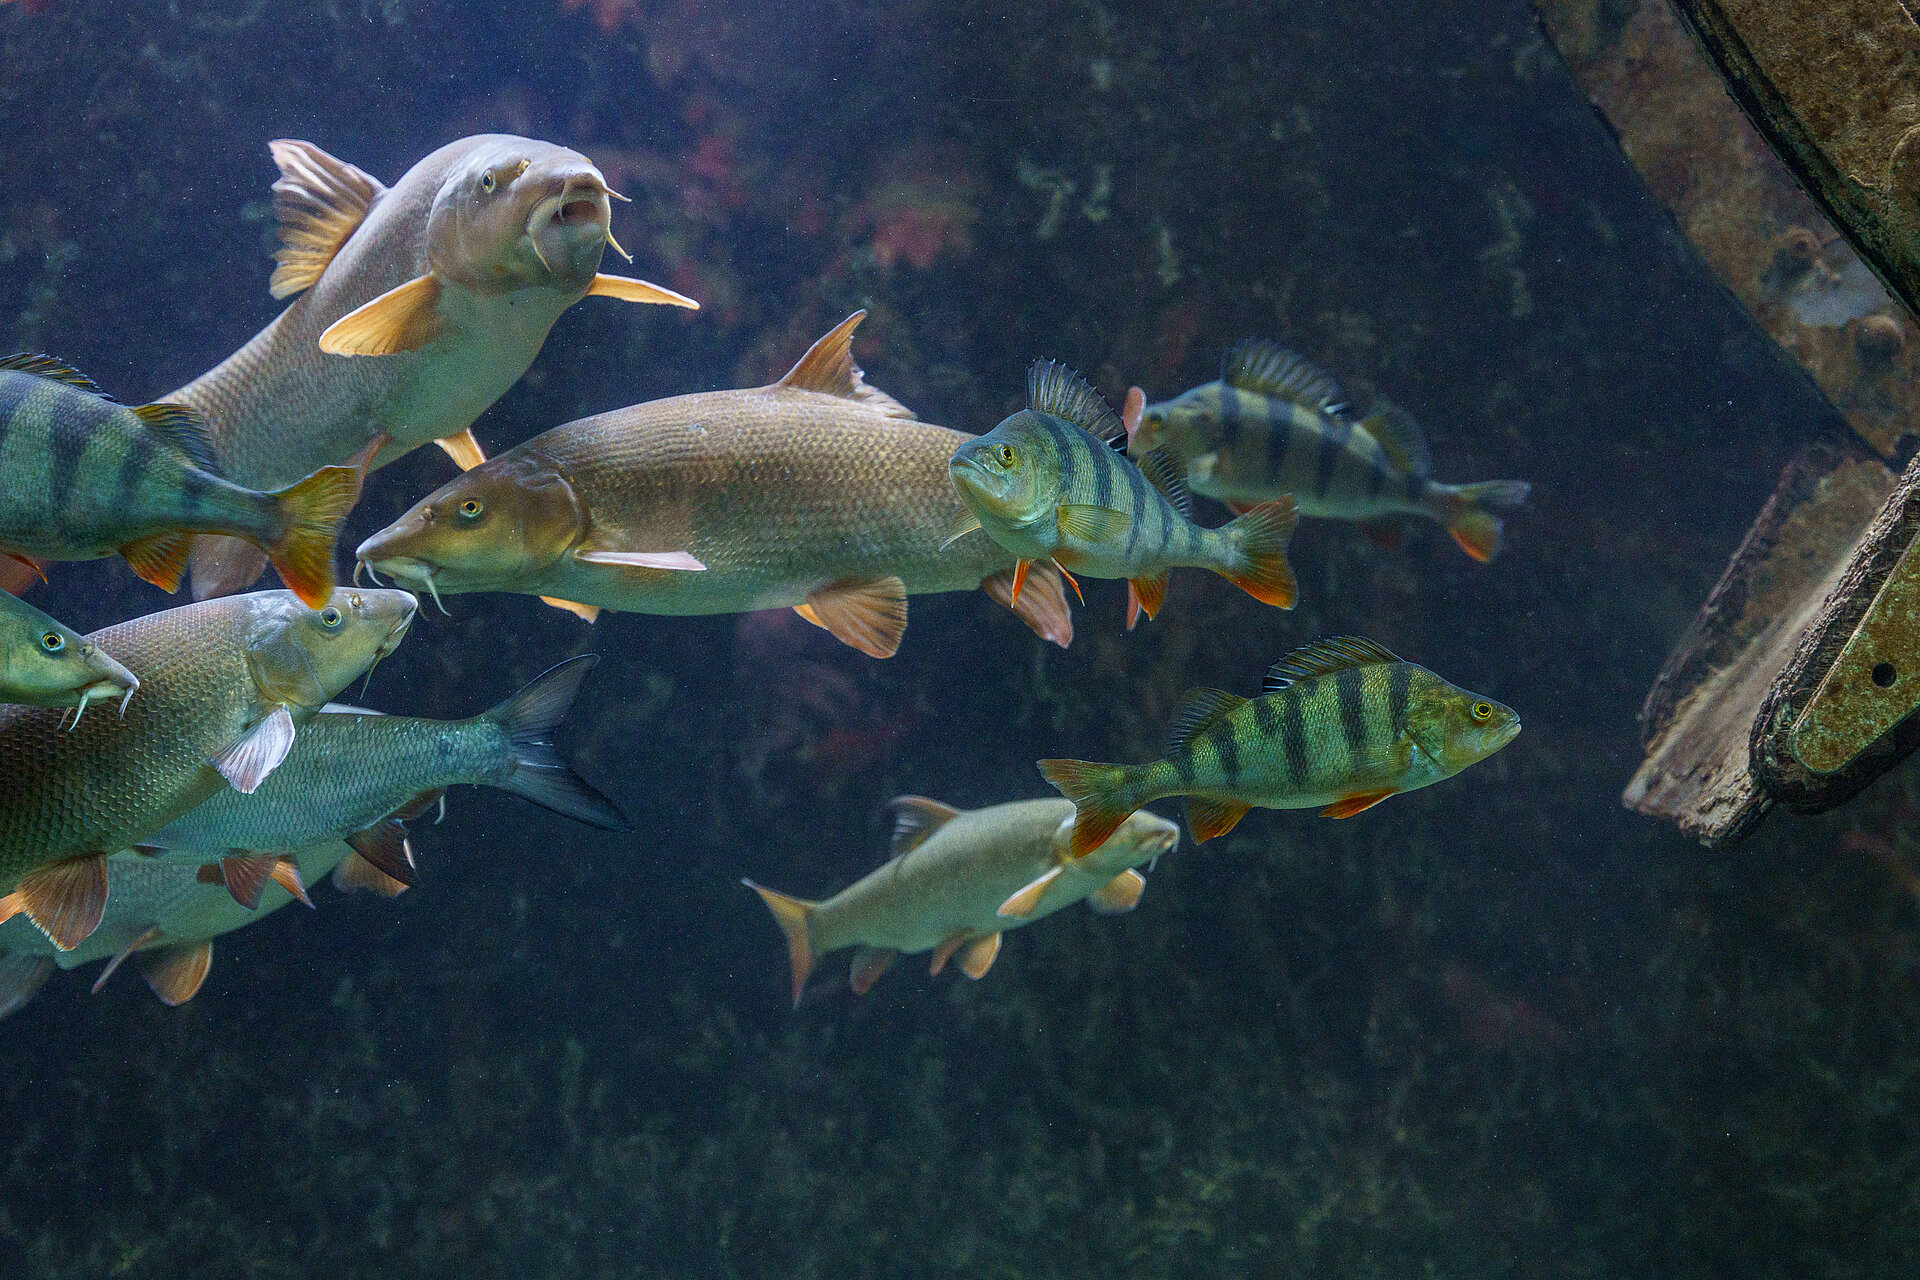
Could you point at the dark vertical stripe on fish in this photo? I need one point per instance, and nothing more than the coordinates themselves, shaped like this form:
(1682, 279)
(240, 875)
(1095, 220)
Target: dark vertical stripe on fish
(14, 389)
(1333, 442)
(193, 490)
(1104, 464)
(1137, 488)
(1063, 450)
(1279, 433)
(1353, 717)
(1293, 733)
(132, 469)
(1229, 416)
(1183, 765)
(1220, 737)
(1398, 683)
(1265, 719)
(66, 441)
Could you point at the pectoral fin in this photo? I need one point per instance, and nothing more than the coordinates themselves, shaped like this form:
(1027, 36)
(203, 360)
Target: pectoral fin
(627, 289)
(979, 956)
(1122, 893)
(65, 901)
(590, 613)
(1210, 818)
(463, 449)
(175, 973)
(963, 524)
(1023, 902)
(868, 964)
(402, 319)
(1088, 523)
(1347, 806)
(679, 561)
(870, 616)
(247, 763)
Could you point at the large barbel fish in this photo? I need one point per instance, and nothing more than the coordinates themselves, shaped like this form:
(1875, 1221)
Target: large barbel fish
(449, 281)
(818, 492)
(957, 880)
(224, 686)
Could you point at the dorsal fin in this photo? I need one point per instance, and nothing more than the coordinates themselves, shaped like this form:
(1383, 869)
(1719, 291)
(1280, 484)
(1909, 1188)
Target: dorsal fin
(828, 368)
(1255, 364)
(1167, 473)
(1323, 658)
(1198, 709)
(1053, 388)
(41, 366)
(1400, 438)
(181, 428)
(914, 819)
(318, 202)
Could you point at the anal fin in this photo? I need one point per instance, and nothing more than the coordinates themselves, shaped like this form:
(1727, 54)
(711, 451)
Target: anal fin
(948, 946)
(175, 973)
(1211, 818)
(355, 872)
(160, 559)
(1145, 595)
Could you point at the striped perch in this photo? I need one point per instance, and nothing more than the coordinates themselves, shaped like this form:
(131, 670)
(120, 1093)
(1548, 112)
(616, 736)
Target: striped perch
(82, 478)
(1046, 485)
(1342, 725)
(1275, 424)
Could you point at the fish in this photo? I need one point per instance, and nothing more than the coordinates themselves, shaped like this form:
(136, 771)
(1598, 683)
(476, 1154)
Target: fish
(45, 663)
(1340, 725)
(351, 770)
(414, 308)
(224, 687)
(162, 915)
(82, 478)
(1275, 424)
(1046, 485)
(956, 880)
(819, 493)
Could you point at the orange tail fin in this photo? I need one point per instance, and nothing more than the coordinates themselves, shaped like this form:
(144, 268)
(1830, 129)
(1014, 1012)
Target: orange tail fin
(313, 511)
(1101, 799)
(1477, 529)
(791, 915)
(1260, 537)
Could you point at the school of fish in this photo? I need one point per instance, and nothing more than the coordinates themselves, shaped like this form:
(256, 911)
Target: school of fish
(221, 779)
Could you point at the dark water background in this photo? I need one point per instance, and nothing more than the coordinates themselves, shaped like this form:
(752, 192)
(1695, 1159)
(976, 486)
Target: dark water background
(1497, 1027)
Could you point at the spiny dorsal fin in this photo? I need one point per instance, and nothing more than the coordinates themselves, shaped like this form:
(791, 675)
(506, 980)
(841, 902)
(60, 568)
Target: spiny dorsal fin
(1323, 658)
(828, 368)
(1167, 473)
(181, 428)
(1199, 709)
(1255, 364)
(47, 367)
(1400, 438)
(914, 819)
(1053, 388)
(318, 202)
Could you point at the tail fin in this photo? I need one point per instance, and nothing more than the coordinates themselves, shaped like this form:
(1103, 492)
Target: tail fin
(311, 512)
(1259, 539)
(529, 718)
(1476, 529)
(1100, 795)
(791, 914)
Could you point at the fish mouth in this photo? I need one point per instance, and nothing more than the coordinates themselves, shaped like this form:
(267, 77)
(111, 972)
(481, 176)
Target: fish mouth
(106, 689)
(573, 217)
(416, 575)
(977, 484)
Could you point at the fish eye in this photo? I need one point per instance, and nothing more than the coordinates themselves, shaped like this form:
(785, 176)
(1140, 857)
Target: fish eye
(53, 642)
(1006, 455)
(488, 182)
(329, 617)
(472, 508)
(1482, 711)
